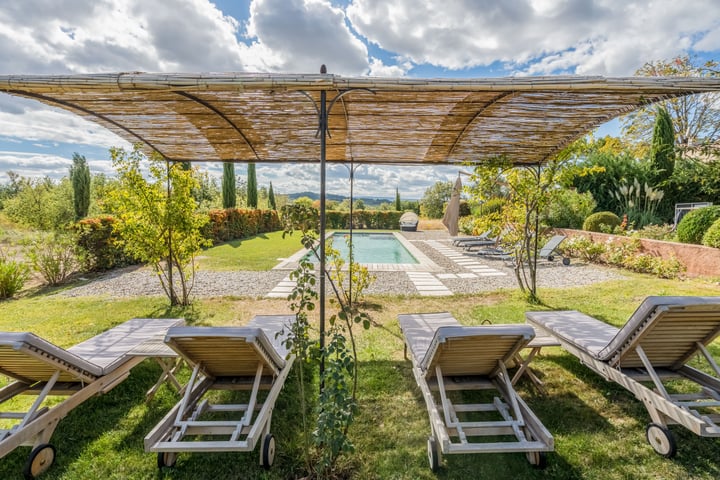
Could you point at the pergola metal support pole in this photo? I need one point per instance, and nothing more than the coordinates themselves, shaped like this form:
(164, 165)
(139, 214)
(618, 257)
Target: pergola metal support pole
(323, 134)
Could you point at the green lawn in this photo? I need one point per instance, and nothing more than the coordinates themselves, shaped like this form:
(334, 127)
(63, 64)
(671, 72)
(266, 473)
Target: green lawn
(258, 253)
(598, 426)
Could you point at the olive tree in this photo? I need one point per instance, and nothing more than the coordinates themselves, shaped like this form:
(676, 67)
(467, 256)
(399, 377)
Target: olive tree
(157, 219)
(530, 190)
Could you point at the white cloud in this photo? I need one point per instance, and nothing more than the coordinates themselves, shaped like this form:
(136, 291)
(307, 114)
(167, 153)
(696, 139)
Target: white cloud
(48, 125)
(610, 37)
(304, 34)
(379, 69)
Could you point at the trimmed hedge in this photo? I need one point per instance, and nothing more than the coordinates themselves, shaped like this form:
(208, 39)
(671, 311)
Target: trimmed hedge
(375, 219)
(235, 223)
(96, 237)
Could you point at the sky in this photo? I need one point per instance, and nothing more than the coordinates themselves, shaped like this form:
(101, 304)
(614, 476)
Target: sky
(387, 38)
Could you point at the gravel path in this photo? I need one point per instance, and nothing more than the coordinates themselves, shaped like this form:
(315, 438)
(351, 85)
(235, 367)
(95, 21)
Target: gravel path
(133, 281)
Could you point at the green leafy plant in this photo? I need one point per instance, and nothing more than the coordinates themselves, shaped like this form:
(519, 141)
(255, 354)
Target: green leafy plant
(639, 202)
(712, 236)
(80, 179)
(695, 223)
(13, 275)
(96, 238)
(569, 209)
(655, 232)
(530, 189)
(626, 254)
(55, 256)
(583, 247)
(594, 222)
(157, 221)
(337, 402)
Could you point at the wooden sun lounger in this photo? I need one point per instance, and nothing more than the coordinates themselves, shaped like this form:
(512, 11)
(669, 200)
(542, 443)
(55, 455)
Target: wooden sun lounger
(250, 358)
(449, 359)
(649, 352)
(40, 368)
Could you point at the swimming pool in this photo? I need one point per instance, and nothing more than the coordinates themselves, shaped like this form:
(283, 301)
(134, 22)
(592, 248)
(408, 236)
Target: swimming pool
(370, 248)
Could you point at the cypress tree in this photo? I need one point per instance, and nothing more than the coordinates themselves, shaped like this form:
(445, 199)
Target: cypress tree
(80, 179)
(252, 192)
(662, 152)
(229, 198)
(398, 206)
(271, 198)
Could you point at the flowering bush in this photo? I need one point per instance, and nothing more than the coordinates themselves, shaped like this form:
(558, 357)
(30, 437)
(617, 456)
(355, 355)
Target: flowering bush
(626, 255)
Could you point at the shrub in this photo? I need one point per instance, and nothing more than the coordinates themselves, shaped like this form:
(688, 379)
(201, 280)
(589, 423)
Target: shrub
(712, 236)
(13, 276)
(655, 232)
(626, 255)
(493, 205)
(694, 225)
(582, 247)
(464, 209)
(55, 257)
(101, 252)
(596, 221)
(569, 209)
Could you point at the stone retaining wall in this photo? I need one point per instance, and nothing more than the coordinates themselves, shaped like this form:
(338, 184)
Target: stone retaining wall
(698, 259)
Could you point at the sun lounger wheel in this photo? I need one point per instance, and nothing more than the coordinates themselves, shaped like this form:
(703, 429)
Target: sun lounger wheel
(39, 460)
(267, 452)
(166, 459)
(566, 261)
(433, 454)
(661, 440)
(537, 459)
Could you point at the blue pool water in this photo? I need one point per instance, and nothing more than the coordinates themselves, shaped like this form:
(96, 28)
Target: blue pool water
(372, 248)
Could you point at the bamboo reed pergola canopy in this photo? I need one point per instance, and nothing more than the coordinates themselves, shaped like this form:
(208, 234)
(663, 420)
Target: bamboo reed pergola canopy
(270, 118)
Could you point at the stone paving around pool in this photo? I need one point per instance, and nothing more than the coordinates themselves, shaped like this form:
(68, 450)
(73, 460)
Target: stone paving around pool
(453, 272)
(456, 271)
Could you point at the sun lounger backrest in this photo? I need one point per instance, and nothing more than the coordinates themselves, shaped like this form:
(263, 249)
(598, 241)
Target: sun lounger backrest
(474, 350)
(226, 351)
(25, 356)
(419, 330)
(667, 328)
(551, 245)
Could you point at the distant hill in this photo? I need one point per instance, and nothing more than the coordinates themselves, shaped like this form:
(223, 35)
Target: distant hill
(369, 201)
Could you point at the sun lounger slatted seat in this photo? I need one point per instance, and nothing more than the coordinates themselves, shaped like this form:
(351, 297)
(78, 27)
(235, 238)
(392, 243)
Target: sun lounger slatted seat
(251, 359)
(649, 352)
(448, 359)
(40, 368)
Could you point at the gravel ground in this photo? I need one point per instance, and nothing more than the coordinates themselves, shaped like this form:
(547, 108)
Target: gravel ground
(133, 281)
